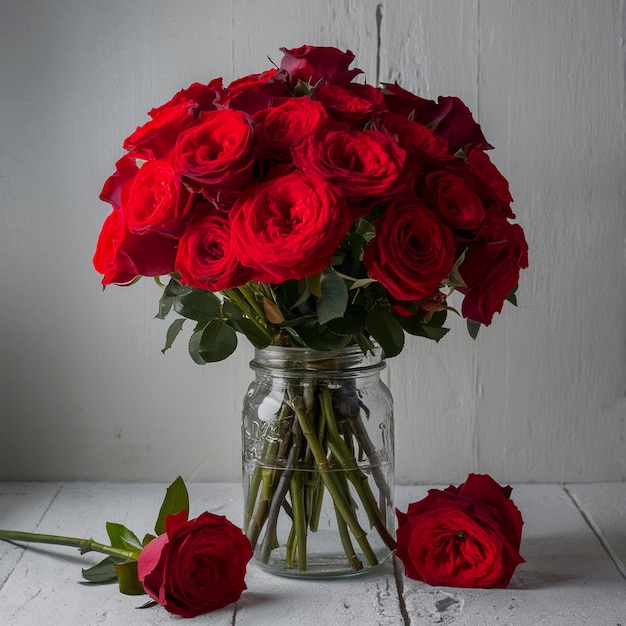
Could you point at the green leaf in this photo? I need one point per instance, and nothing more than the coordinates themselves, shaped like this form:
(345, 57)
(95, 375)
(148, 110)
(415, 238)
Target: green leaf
(172, 291)
(248, 328)
(386, 330)
(147, 539)
(313, 283)
(473, 328)
(176, 500)
(172, 332)
(128, 579)
(199, 305)
(215, 342)
(334, 297)
(322, 338)
(231, 310)
(103, 572)
(123, 538)
(512, 297)
(431, 330)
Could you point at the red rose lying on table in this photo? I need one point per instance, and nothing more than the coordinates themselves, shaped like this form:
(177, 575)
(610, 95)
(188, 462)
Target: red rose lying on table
(466, 536)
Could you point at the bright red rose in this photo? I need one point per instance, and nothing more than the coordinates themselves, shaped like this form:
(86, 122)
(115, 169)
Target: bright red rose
(412, 252)
(451, 192)
(216, 156)
(197, 565)
(289, 227)
(491, 268)
(121, 256)
(155, 200)
(204, 95)
(155, 138)
(279, 127)
(255, 92)
(466, 536)
(318, 64)
(205, 256)
(125, 170)
(351, 103)
(362, 163)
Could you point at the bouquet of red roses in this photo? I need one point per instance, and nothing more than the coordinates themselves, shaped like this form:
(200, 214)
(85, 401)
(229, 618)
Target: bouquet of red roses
(325, 212)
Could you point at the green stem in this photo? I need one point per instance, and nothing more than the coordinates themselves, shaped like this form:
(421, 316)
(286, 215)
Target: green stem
(296, 490)
(241, 303)
(323, 467)
(84, 545)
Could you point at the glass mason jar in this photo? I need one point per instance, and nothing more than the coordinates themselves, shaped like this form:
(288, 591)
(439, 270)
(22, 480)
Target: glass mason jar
(318, 462)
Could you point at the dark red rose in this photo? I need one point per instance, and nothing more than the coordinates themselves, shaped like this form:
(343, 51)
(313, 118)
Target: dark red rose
(155, 138)
(351, 103)
(125, 170)
(318, 64)
(216, 156)
(448, 117)
(289, 227)
(412, 252)
(451, 192)
(197, 565)
(121, 256)
(466, 536)
(491, 267)
(155, 200)
(255, 92)
(362, 163)
(203, 95)
(417, 139)
(205, 256)
(495, 190)
(279, 127)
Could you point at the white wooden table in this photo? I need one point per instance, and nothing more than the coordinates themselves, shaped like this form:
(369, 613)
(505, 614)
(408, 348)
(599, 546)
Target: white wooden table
(574, 542)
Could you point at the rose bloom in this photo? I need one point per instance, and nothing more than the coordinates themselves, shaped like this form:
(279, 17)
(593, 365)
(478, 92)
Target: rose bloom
(495, 186)
(125, 170)
(216, 156)
(121, 256)
(451, 192)
(362, 163)
(491, 267)
(155, 200)
(412, 252)
(197, 565)
(351, 103)
(318, 64)
(255, 92)
(281, 126)
(466, 536)
(205, 256)
(155, 138)
(289, 226)
(203, 95)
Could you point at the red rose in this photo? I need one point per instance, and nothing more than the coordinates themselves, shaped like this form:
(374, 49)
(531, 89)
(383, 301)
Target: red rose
(491, 269)
(216, 156)
(155, 138)
(412, 251)
(281, 126)
(467, 536)
(496, 187)
(448, 117)
(121, 256)
(255, 92)
(452, 194)
(197, 565)
(289, 227)
(125, 170)
(351, 103)
(415, 138)
(203, 95)
(318, 64)
(205, 256)
(155, 200)
(362, 163)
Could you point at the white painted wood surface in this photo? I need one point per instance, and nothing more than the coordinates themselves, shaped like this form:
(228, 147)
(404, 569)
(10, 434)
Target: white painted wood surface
(86, 393)
(570, 577)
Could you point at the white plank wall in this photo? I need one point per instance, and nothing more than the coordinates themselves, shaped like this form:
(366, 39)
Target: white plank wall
(86, 393)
